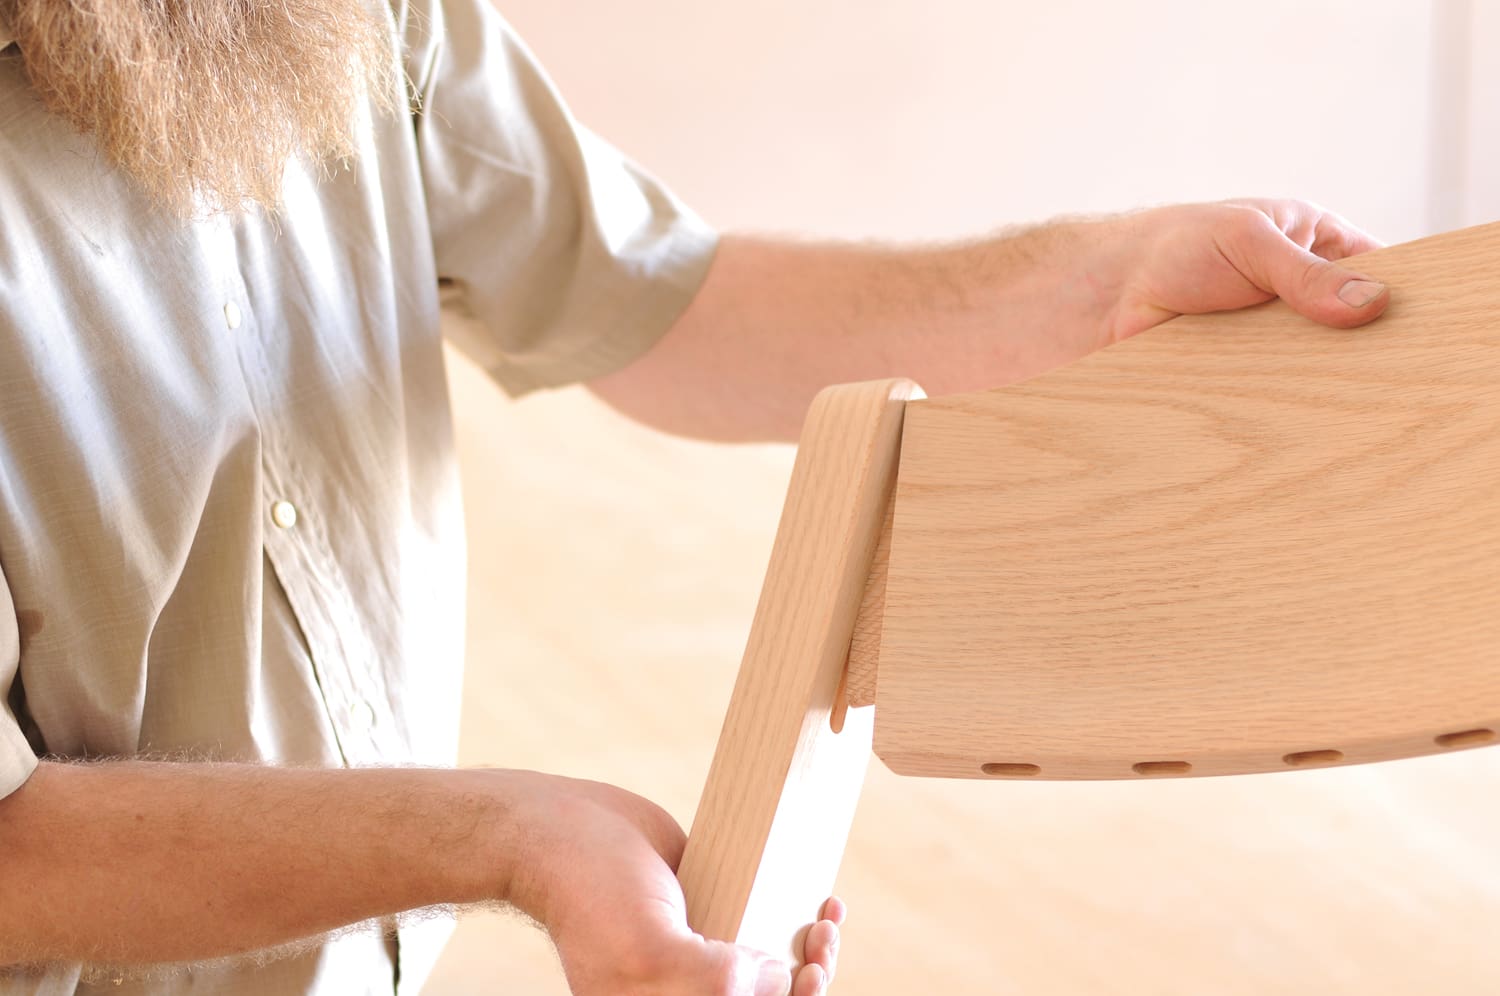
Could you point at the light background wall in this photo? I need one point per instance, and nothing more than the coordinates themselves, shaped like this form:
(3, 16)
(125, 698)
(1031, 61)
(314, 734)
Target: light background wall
(615, 571)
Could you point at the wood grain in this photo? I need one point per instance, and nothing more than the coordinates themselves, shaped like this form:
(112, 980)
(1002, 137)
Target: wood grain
(775, 815)
(1235, 543)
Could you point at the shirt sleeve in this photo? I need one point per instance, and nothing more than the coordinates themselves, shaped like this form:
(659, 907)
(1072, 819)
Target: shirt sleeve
(573, 260)
(17, 760)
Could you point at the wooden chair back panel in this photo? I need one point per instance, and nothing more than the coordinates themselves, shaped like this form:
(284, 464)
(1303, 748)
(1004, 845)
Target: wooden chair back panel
(1236, 543)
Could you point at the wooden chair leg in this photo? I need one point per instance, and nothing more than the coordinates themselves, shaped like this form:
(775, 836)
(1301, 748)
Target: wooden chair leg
(775, 815)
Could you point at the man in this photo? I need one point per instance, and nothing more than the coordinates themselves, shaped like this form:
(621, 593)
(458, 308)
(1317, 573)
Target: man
(228, 523)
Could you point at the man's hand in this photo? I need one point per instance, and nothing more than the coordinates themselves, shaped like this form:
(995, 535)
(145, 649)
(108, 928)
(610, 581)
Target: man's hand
(1200, 258)
(775, 322)
(598, 872)
(132, 864)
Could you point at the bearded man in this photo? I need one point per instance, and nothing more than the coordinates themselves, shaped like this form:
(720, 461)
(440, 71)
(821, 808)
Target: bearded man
(229, 530)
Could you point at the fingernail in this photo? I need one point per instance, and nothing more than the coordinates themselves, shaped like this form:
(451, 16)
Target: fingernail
(1358, 293)
(775, 980)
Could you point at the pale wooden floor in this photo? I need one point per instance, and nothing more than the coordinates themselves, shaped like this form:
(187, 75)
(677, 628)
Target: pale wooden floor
(1374, 881)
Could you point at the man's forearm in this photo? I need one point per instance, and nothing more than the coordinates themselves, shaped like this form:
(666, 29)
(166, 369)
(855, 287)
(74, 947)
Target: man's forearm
(124, 863)
(777, 321)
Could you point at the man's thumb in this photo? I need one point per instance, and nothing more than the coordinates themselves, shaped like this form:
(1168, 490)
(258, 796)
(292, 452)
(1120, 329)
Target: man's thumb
(1324, 291)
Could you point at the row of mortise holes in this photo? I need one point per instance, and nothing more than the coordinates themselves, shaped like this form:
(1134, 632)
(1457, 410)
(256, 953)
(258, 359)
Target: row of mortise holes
(1144, 768)
(999, 770)
(1300, 759)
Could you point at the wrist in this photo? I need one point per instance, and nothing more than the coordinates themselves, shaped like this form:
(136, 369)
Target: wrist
(516, 825)
(1126, 253)
(1093, 265)
(474, 845)
(1045, 296)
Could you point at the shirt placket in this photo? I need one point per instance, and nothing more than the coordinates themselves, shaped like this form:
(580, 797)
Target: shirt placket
(297, 544)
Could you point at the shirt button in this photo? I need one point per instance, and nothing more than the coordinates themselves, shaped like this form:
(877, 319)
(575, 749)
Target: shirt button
(284, 514)
(232, 315)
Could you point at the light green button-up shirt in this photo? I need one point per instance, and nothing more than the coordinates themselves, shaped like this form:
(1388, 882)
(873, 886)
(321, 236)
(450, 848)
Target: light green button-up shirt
(229, 506)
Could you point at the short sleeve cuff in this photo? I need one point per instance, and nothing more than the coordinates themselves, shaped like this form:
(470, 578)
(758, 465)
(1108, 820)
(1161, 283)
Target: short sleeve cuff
(632, 312)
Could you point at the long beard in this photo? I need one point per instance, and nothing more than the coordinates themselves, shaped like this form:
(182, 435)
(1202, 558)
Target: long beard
(205, 102)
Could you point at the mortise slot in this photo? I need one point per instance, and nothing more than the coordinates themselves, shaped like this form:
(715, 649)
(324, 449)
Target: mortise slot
(1310, 758)
(1466, 738)
(1012, 770)
(1162, 768)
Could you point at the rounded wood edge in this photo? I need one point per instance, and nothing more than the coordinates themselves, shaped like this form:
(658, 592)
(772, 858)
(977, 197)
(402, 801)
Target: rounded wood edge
(833, 406)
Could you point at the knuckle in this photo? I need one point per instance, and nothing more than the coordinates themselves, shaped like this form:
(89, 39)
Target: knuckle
(1249, 223)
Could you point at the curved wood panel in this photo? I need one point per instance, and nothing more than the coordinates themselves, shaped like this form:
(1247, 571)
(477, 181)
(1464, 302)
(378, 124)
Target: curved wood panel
(1235, 543)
